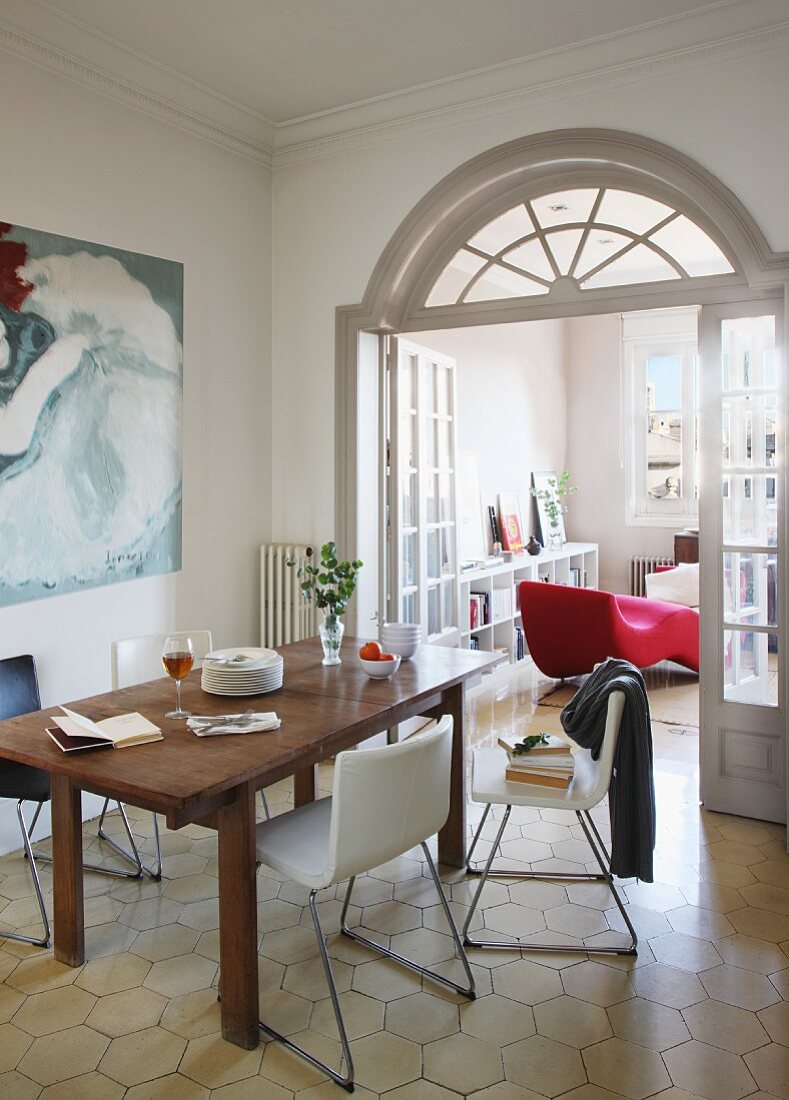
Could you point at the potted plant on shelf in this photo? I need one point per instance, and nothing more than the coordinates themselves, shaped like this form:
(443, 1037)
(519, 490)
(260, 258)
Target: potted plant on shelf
(554, 506)
(330, 584)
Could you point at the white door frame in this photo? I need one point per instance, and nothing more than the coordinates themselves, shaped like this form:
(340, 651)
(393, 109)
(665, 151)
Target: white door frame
(489, 184)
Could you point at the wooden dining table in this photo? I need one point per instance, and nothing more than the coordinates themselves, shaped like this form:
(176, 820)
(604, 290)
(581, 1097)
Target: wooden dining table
(212, 781)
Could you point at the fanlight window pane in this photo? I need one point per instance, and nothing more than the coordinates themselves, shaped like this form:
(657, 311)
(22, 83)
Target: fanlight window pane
(627, 238)
(639, 265)
(631, 211)
(564, 244)
(563, 207)
(504, 230)
(692, 248)
(601, 245)
(497, 282)
(454, 278)
(532, 259)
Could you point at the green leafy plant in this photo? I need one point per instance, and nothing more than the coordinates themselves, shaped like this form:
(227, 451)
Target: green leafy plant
(528, 743)
(330, 583)
(553, 498)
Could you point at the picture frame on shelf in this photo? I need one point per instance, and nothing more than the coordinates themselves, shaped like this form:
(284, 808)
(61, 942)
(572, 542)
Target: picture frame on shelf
(540, 483)
(510, 522)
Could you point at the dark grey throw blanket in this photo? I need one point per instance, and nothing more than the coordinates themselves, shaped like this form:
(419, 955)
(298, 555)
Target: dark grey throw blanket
(631, 798)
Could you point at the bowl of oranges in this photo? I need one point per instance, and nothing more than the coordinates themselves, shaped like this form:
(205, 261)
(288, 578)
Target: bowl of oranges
(377, 664)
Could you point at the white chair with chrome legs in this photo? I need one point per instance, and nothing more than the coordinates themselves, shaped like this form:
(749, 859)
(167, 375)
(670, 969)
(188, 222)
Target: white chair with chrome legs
(385, 801)
(588, 787)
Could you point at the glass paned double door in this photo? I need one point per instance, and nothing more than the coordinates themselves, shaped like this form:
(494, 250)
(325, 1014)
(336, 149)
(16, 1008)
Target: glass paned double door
(742, 510)
(422, 535)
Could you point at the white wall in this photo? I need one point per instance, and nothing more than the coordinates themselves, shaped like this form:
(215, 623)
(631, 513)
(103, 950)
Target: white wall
(595, 451)
(80, 164)
(511, 404)
(333, 217)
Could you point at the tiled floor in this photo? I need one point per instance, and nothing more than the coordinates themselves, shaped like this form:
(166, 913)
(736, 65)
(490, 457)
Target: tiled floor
(702, 1011)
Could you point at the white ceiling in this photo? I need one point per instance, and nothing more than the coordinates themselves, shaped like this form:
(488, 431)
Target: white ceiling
(285, 59)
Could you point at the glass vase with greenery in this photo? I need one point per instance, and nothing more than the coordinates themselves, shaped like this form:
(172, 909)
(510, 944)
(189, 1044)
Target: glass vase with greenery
(329, 585)
(553, 501)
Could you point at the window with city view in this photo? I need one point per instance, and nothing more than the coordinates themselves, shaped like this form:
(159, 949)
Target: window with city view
(661, 431)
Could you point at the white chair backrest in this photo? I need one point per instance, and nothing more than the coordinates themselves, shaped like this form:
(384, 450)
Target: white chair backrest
(387, 800)
(136, 660)
(605, 762)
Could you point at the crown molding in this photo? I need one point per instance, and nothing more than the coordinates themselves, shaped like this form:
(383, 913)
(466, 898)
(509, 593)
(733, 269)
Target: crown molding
(589, 83)
(517, 86)
(72, 68)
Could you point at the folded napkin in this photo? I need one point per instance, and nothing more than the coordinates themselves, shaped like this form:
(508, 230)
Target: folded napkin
(253, 723)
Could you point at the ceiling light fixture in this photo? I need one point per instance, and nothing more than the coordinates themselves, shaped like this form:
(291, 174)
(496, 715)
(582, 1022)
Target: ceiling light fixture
(557, 207)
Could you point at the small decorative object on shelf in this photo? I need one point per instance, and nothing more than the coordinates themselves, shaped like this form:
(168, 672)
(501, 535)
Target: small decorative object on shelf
(550, 491)
(533, 546)
(330, 584)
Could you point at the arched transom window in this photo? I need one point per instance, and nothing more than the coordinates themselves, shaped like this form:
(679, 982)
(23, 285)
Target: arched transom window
(592, 237)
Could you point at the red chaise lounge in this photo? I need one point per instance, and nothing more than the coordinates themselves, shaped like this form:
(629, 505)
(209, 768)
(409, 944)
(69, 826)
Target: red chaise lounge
(570, 630)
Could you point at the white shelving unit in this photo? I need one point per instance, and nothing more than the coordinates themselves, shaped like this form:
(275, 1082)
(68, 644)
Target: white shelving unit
(555, 566)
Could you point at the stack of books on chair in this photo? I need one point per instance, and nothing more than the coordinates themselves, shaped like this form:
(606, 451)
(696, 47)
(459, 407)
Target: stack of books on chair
(540, 758)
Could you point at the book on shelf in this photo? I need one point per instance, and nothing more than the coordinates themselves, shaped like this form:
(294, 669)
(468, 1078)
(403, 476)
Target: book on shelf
(558, 782)
(502, 604)
(520, 644)
(73, 731)
(575, 577)
(495, 533)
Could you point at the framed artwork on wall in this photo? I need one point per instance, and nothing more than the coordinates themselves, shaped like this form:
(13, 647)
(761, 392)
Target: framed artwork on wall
(540, 480)
(90, 414)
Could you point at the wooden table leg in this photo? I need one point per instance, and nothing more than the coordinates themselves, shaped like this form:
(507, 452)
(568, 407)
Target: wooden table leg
(305, 785)
(452, 838)
(69, 913)
(238, 961)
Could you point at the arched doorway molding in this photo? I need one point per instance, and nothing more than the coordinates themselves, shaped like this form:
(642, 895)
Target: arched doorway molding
(473, 194)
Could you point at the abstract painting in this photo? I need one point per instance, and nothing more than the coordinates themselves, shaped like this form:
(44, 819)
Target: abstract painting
(91, 386)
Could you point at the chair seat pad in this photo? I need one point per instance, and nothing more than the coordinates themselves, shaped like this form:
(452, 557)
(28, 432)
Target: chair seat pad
(22, 781)
(490, 786)
(297, 844)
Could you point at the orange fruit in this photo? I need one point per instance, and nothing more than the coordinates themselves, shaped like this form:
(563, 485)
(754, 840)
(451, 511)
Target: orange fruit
(386, 657)
(370, 651)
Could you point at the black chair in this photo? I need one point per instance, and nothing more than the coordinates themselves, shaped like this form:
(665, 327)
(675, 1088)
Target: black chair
(19, 695)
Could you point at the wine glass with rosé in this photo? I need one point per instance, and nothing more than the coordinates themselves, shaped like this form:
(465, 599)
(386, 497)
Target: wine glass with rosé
(178, 657)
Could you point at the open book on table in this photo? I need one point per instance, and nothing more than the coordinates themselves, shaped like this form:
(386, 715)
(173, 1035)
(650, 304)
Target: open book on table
(73, 731)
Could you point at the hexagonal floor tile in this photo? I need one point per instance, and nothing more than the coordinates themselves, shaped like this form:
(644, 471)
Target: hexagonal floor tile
(422, 1017)
(723, 1025)
(708, 1071)
(597, 983)
(112, 973)
(742, 988)
(496, 1019)
(527, 982)
(362, 1016)
(142, 1056)
(543, 1065)
(626, 1068)
(568, 1020)
(463, 1063)
(648, 1023)
(55, 1010)
(127, 1011)
(384, 1061)
(668, 986)
(65, 1054)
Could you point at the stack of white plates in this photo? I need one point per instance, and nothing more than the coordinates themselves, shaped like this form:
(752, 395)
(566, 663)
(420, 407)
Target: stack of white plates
(241, 671)
(401, 638)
